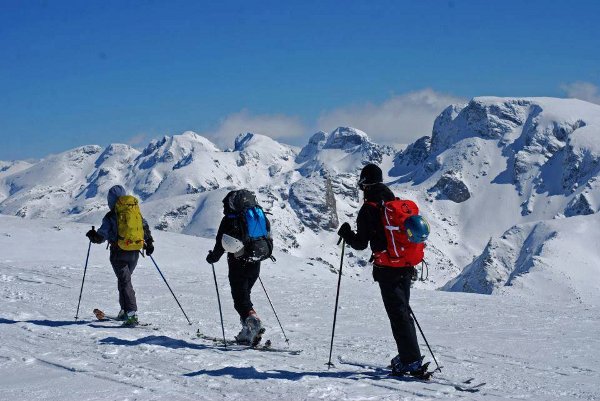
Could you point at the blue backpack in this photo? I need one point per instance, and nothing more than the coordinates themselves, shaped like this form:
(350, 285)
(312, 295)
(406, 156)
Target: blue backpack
(252, 225)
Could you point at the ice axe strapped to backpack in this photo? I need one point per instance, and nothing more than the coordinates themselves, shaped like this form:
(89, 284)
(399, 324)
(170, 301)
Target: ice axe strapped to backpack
(252, 226)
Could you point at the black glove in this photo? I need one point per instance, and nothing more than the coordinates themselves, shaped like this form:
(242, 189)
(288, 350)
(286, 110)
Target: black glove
(149, 247)
(212, 258)
(94, 236)
(345, 231)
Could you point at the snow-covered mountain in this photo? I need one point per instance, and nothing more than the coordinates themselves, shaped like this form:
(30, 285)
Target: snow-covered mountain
(496, 163)
(183, 178)
(555, 260)
(490, 166)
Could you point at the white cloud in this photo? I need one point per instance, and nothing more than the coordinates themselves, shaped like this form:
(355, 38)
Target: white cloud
(137, 139)
(582, 90)
(398, 120)
(277, 126)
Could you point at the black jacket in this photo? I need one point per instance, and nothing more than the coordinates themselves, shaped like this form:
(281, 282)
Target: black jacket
(230, 225)
(369, 228)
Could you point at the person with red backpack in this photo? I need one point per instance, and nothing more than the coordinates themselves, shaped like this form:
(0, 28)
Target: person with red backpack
(382, 222)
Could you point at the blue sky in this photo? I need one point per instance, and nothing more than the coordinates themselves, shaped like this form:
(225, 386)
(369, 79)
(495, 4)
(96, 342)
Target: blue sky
(96, 72)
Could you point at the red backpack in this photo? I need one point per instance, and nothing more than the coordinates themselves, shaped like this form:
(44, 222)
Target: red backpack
(400, 251)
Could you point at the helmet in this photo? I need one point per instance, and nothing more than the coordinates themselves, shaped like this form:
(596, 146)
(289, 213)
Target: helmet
(230, 244)
(417, 228)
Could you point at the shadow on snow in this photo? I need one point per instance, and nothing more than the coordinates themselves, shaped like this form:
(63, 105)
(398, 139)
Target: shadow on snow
(245, 373)
(162, 341)
(47, 323)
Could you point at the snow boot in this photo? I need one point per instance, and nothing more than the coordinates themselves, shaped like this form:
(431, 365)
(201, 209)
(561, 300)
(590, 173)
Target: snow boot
(243, 336)
(131, 319)
(255, 328)
(412, 369)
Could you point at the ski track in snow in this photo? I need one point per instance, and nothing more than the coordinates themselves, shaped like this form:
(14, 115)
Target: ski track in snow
(521, 348)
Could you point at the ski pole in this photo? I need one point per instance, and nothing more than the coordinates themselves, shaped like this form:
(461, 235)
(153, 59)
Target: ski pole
(439, 368)
(169, 287)
(337, 297)
(272, 307)
(82, 281)
(219, 300)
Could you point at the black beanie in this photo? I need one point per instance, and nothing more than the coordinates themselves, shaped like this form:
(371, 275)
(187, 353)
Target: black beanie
(371, 174)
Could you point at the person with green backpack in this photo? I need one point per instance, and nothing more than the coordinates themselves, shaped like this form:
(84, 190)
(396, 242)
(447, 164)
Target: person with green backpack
(127, 233)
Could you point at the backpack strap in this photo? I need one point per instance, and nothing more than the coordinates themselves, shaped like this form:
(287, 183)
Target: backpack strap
(374, 204)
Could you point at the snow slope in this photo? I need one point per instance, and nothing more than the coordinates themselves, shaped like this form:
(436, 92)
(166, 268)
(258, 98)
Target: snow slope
(495, 163)
(521, 347)
(554, 260)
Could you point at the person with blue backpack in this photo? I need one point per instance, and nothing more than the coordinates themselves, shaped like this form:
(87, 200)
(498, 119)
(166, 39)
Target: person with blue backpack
(245, 234)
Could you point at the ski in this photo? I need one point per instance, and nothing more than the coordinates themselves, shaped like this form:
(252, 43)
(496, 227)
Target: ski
(267, 346)
(463, 386)
(102, 317)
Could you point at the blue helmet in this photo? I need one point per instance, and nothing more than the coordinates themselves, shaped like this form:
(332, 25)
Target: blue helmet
(417, 228)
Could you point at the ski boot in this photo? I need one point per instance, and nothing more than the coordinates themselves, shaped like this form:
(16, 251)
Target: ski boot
(122, 315)
(255, 328)
(243, 336)
(131, 320)
(414, 369)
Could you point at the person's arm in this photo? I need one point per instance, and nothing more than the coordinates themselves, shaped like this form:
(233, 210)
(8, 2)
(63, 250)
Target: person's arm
(218, 249)
(147, 232)
(365, 228)
(106, 229)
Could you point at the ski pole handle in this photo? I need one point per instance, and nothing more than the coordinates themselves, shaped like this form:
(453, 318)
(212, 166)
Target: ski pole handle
(339, 240)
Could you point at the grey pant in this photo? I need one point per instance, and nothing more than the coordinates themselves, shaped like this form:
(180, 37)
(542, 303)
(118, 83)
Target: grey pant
(124, 263)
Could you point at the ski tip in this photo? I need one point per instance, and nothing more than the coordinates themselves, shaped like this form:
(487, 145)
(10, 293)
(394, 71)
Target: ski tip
(99, 314)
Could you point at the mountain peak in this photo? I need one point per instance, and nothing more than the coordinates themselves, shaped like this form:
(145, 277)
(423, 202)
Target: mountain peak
(346, 138)
(242, 141)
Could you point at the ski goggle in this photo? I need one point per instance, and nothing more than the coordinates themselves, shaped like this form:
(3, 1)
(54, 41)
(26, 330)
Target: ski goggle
(362, 185)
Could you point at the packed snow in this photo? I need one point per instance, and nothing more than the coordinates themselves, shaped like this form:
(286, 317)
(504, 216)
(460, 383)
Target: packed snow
(520, 347)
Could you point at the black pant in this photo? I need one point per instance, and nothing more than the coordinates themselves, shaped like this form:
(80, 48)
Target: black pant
(395, 292)
(242, 276)
(123, 263)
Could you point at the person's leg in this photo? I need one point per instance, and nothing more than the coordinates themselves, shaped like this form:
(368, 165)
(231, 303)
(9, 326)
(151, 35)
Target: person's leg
(395, 293)
(117, 266)
(239, 288)
(255, 327)
(130, 299)
(251, 272)
(122, 263)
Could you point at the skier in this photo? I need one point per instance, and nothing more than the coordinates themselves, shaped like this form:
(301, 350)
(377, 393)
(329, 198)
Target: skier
(128, 233)
(244, 263)
(394, 280)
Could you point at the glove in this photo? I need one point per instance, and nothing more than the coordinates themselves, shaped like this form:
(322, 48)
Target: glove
(345, 231)
(212, 258)
(149, 247)
(94, 236)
